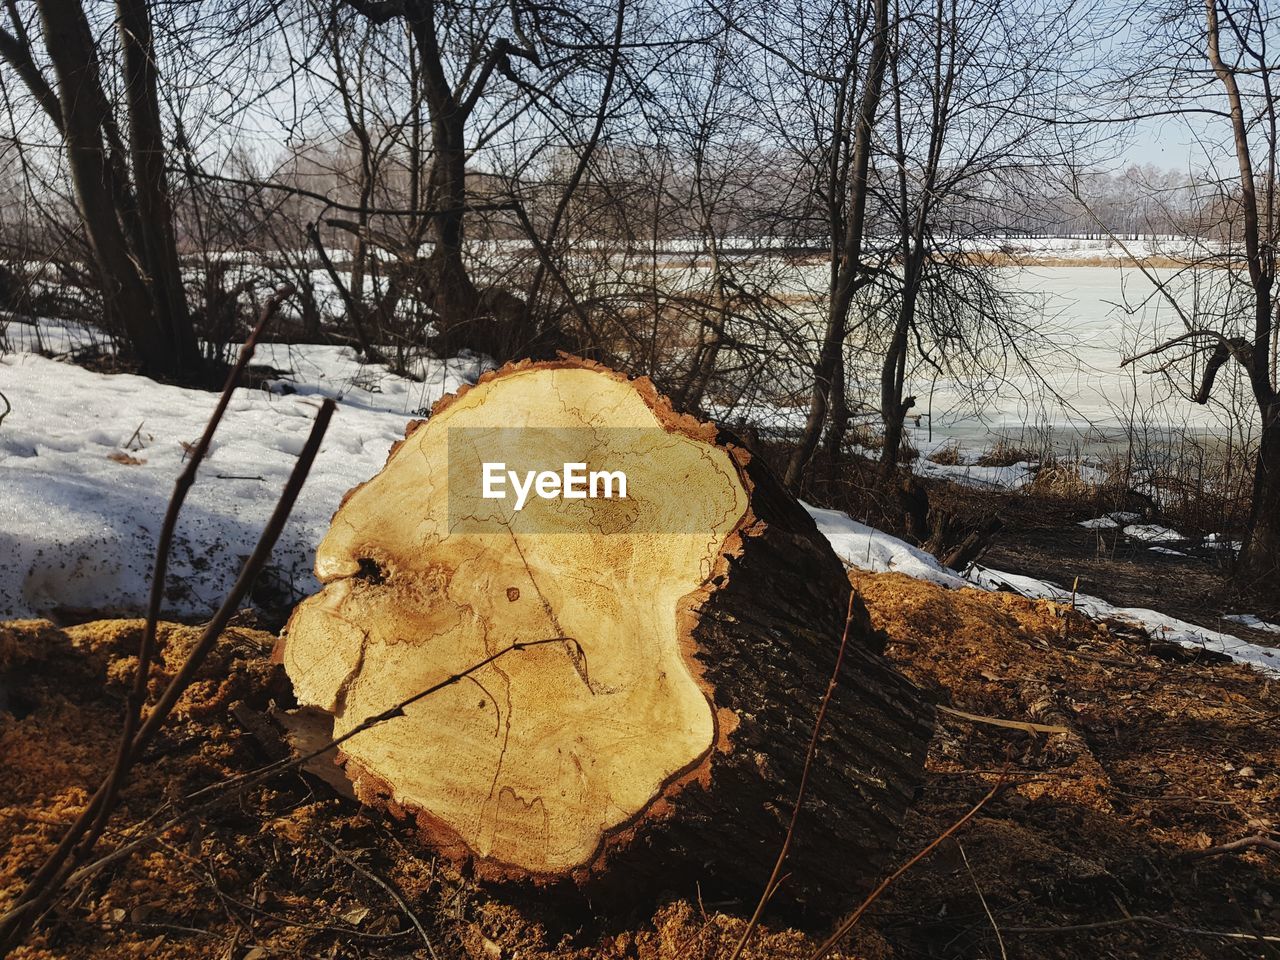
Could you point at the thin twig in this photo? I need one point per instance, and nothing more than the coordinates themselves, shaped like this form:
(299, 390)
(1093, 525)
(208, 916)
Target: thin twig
(391, 892)
(88, 826)
(347, 207)
(135, 436)
(1025, 725)
(1260, 840)
(391, 713)
(36, 899)
(181, 487)
(79, 840)
(225, 789)
(1154, 921)
(832, 941)
(983, 900)
(171, 927)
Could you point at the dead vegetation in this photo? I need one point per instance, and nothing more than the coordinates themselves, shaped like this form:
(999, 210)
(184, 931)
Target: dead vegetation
(948, 455)
(1112, 839)
(1005, 453)
(1166, 760)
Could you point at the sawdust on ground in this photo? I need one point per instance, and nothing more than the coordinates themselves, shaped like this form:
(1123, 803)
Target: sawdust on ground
(1095, 847)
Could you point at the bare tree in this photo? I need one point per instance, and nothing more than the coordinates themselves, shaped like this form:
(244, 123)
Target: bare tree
(1230, 319)
(453, 97)
(849, 163)
(974, 95)
(120, 182)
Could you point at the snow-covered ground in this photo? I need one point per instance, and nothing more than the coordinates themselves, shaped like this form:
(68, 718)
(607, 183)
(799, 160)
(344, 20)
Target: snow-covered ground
(1109, 522)
(1157, 624)
(88, 461)
(87, 464)
(1014, 476)
(1253, 622)
(870, 549)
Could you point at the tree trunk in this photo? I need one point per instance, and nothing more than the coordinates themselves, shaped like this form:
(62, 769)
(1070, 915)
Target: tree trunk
(711, 339)
(848, 274)
(455, 298)
(80, 92)
(893, 372)
(159, 247)
(1261, 554)
(838, 421)
(657, 742)
(124, 241)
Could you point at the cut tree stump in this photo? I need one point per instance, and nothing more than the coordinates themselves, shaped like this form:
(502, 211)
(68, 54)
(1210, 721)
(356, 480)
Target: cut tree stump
(662, 745)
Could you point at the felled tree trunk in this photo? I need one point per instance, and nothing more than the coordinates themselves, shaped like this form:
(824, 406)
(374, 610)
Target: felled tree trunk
(662, 745)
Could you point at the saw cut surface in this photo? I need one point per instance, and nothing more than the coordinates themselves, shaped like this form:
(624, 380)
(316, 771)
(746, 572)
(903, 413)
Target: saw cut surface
(534, 760)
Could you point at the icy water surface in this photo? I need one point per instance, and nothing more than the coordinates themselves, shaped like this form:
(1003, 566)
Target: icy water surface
(1070, 388)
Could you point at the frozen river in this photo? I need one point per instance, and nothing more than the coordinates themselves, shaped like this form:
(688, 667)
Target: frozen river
(1072, 389)
(1079, 390)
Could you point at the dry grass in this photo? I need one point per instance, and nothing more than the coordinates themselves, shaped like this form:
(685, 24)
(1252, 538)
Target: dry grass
(948, 455)
(869, 437)
(1005, 453)
(1063, 479)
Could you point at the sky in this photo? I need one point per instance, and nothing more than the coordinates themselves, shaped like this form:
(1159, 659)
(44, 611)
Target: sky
(1173, 144)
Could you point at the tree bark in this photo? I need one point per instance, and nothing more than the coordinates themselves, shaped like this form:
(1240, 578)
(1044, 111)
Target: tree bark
(454, 297)
(75, 64)
(658, 743)
(128, 221)
(913, 234)
(893, 371)
(159, 247)
(1260, 557)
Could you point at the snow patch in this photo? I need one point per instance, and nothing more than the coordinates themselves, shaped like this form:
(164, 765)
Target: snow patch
(1098, 523)
(869, 549)
(1253, 622)
(1151, 533)
(88, 462)
(1215, 541)
(1108, 521)
(1012, 477)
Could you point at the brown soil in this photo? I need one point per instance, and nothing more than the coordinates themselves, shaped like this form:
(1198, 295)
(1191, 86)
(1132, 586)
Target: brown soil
(1102, 825)
(1166, 759)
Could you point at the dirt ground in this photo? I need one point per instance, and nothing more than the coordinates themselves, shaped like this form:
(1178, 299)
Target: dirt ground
(1101, 842)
